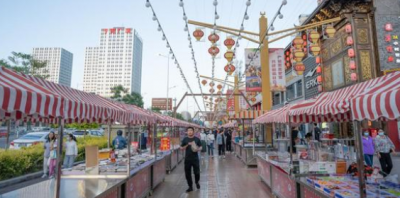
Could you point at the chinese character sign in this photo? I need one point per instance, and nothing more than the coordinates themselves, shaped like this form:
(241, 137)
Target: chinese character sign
(165, 144)
(277, 70)
(253, 70)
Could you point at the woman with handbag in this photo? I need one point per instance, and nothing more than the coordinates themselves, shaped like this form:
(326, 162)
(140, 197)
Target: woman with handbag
(384, 147)
(46, 154)
(53, 156)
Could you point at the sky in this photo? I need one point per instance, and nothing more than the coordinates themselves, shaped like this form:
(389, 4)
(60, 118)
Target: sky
(76, 24)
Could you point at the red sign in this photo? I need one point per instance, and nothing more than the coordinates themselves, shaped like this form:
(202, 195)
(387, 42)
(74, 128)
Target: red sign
(165, 144)
(113, 30)
(135, 145)
(161, 103)
(128, 30)
(388, 27)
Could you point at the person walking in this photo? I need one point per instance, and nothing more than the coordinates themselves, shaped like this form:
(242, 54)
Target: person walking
(203, 139)
(46, 154)
(229, 141)
(71, 151)
(368, 148)
(221, 144)
(383, 148)
(192, 145)
(53, 155)
(294, 139)
(119, 142)
(317, 132)
(210, 144)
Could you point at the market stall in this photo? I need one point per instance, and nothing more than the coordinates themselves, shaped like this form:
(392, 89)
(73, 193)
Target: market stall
(248, 138)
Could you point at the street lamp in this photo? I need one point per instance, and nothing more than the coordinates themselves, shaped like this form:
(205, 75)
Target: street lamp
(167, 57)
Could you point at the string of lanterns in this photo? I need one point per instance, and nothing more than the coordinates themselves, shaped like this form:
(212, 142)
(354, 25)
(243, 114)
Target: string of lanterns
(351, 52)
(164, 38)
(186, 29)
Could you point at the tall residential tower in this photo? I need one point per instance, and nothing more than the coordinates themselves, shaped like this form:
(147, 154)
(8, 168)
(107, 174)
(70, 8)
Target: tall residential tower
(117, 61)
(58, 64)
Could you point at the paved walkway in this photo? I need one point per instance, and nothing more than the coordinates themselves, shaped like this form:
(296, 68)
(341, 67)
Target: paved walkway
(220, 178)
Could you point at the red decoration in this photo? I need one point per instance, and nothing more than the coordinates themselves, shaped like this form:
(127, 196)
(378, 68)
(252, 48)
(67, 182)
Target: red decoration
(128, 30)
(287, 59)
(389, 49)
(212, 84)
(113, 30)
(219, 87)
(388, 27)
(319, 79)
(198, 34)
(204, 82)
(353, 76)
(351, 53)
(205, 97)
(388, 38)
(213, 51)
(229, 69)
(105, 31)
(320, 88)
(213, 38)
(390, 59)
(304, 37)
(348, 28)
(229, 42)
(300, 68)
(319, 69)
(287, 53)
(318, 60)
(349, 41)
(212, 90)
(352, 65)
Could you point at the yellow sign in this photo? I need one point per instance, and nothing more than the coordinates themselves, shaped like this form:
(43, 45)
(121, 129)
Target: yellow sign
(390, 71)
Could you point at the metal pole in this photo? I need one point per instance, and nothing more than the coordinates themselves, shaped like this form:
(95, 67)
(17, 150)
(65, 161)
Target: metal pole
(8, 132)
(109, 134)
(59, 155)
(167, 85)
(155, 139)
(129, 149)
(360, 158)
(290, 142)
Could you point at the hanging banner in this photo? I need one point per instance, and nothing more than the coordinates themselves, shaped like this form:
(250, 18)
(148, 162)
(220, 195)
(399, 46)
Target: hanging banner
(253, 70)
(277, 70)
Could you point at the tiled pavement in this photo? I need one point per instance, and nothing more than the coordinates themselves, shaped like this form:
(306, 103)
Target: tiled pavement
(220, 178)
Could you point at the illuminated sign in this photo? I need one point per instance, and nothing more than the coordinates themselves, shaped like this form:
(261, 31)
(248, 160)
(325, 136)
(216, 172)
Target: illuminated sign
(165, 144)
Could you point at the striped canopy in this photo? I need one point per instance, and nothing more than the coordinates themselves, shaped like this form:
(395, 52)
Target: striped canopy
(275, 116)
(252, 114)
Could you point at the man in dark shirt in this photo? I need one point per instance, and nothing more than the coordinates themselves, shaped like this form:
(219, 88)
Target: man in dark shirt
(229, 141)
(317, 132)
(191, 158)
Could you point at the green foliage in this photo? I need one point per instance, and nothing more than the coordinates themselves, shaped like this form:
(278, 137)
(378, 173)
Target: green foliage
(26, 64)
(83, 126)
(14, 163)
(120, 94)
(155, 109)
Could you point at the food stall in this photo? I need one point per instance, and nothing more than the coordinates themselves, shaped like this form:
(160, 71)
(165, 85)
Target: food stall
(334, 166)
(249, 139)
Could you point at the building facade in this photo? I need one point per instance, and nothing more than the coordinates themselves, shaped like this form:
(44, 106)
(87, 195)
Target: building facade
(117, 61)
(58, 64)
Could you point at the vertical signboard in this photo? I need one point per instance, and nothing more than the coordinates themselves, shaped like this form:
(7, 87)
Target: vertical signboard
(310, 78)
(253, 70)
(277, 70)
(388, 31)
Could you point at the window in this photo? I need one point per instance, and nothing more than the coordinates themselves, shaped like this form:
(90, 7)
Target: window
(299, 88)
(290, 95)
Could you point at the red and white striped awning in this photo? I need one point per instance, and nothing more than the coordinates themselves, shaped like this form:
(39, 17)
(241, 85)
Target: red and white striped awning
(275, 116)
(21, 98)
(379, 102)
(333, 106)
(252, 114)
(229, 124)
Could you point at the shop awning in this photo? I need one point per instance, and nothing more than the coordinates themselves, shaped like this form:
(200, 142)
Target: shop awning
(379, 102)
(335, 105)
(253, 114)
(275, 116)
(229, 125)
(21, 98)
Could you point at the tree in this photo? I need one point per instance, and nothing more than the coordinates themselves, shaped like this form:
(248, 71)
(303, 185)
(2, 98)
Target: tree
(118, 92)
(133, 99)
(26, 64)
(155, 109)
(178, 116)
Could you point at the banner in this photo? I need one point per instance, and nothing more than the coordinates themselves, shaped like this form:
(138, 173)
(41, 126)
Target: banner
(253, 70)
(277, 70)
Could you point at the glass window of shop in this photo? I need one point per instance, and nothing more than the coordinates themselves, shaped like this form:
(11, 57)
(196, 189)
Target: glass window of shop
(294, 90)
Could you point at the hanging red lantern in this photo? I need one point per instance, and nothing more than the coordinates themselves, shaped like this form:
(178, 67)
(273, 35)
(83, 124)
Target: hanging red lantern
(211, 91)
(212, 84)
(352, 65)
(287, 59)
(388, 27)
(204, 82)
(319, 69)
(330, 31)
(349, 41)
(219, 87)
(304, 37)
(213, 50)
(298, 42)
(205, 97)
(315, 49)
(299, 55)
(229, 42)
(353, 76)
(287, 53)
(351, 53)
(348, 28)
(314, 36)
(305, 50)
(320, 88)
(319, 79)
(198, 34)
(229, 69)
(300, 68)
(305, 43)
(213, 38)
(288, 65)
(229, 55)
(318, 59)
(253, 99)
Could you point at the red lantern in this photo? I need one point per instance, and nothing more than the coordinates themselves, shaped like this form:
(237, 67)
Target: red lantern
(318, 60)
(353, 76)
(330, 31)
(205, 97)
(304, 37)
(319, 69)
(204, 82)
(212, 91)
(352, 65)
(300, 68)
(299, 55)
(390, 59)
(219, 87)
(288, 65)
(229, 56)
(213, 51)
(287, 59)
(320, 88)
(287, 53)
(229, 42)
(351, 53)
(314, 36)
(388, 27)
(305, 50)
(319, 79)
(349, 41)
(212, 84)
(198, 34)
(213, 38)
(298, 42)
(229, 69)
(315, 49)
(348, 28)
(305, 43)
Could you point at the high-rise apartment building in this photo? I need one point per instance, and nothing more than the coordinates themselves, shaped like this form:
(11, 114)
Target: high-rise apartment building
(58, 64)
(117, 61)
